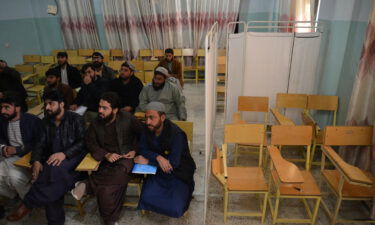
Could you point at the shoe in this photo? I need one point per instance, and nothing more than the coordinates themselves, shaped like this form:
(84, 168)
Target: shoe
(79, 191)
(20, 213)
(2, 212)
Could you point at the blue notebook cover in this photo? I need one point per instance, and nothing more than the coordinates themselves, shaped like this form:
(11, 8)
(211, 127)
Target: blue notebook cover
(144, 169)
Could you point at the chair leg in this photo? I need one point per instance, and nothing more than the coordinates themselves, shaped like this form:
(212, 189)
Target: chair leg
(315, 213)
(235, 154)
(276, 208)
(336, 212)
(80, 208)
(264, 209)
(225, 205)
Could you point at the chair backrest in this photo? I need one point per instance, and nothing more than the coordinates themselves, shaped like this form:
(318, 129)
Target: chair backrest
(177, 52)
(222, 52)
(245, 134)
(116, 53)
(145, 53)
(150, 65)
(72, 53)
(158, 53)
(85, 52)
(252, 104)
(287, 172)
(348, 135)
(138, 64)
(55, 51)
(116, 65)
(291, 135)
(140, 75)
(77, 60)
(323, 102)
(201, 52)
(284, 100)
(47, 59)
(31, 59)
(103, 51)
(22, 68)
(187, 127)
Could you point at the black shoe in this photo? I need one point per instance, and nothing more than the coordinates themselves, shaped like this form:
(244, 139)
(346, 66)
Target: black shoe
(2, 212)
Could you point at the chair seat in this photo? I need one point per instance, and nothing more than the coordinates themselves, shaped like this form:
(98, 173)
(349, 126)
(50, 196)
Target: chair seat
(348, 190)
(309, 187)
(252, 144)
(246, 179)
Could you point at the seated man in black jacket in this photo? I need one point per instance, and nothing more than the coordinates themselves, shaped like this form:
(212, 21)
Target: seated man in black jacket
(54, 161)
(69, 74)
(93, 87)
(128, 87)
(19, 133)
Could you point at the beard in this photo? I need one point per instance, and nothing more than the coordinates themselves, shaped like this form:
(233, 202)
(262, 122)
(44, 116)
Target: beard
(106, 119)
(9, 117)
(97, 65)
(124, 78)
(154, 128)
(52, 85)
(156, 88)
(52, 114)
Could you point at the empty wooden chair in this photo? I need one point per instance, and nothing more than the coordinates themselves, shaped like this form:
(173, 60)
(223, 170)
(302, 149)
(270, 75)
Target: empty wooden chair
(22, 68)
(199, 63)
(145, 54)
(288, 182)
(286, 135)
(31, 59)
(241, 180)
(346, 182)
(250, 104)
(286, 101)
(319, 103)
(188, 62)
(116, 54)
(85, 52)
(47, 59)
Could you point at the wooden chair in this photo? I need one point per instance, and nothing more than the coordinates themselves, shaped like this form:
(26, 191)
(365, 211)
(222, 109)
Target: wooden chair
(72, 53)
(318, 103)
(288, 182)
(241, 180)
(116, 54)
(346, 182)
(36, 110)
(115, 65)
(280, 118)
(286, 135)
(55, 51)
(188, 62)
(77, 60)
(145, 54)
(188, 128)
(31, 59)
(22, 68)
(139, 67)
(47, 59)
(158, 53)
(85, 52)
(24, 162)
(287, 101)
(199, 67)
(250, 104)
(150, 65)
(221, 68)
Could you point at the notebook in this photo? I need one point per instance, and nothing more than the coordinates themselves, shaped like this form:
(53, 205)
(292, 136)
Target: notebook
(144, 169)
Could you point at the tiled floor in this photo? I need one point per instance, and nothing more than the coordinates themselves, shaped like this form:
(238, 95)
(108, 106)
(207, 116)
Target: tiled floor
(195, 106)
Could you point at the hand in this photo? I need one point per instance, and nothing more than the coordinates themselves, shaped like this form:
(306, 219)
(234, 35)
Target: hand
(112, 157)
(56, 159)
(164, 164)
(73, 107)
(141, 160)
(37, 167)
(9, 151)
(126, 109)
(87, 79)
(129, 155)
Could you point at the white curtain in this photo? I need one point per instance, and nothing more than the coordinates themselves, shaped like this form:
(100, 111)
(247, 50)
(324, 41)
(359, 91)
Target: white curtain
(160, 24)
(275, 62)
(78, 24)
(125, 26)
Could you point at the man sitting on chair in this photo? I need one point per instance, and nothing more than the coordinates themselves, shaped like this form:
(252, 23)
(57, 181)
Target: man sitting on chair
(53, 78)
(164, 144)
(172, 65)
(161, 90)
(112, 138)
(54, 161)
(19, 133)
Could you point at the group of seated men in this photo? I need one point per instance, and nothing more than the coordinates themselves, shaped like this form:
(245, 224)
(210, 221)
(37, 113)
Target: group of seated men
(114, 137)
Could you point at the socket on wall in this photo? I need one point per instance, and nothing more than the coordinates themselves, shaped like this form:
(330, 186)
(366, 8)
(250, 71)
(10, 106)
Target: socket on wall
(52, 9)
